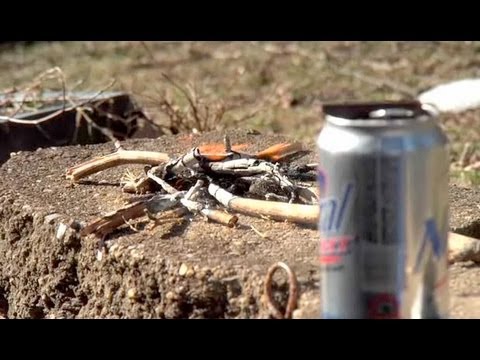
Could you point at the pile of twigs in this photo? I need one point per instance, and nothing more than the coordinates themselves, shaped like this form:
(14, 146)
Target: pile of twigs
(214, 181)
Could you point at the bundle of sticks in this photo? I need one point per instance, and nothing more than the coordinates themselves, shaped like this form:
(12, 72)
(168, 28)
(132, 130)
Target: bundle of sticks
(213, 181)
(218, 180)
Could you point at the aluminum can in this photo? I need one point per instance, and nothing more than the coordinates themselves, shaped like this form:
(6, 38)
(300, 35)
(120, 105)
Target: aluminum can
(383, 177)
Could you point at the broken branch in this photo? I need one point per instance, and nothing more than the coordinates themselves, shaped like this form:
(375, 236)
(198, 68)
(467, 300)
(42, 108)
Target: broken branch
(306, 214)
(106, 224)
(115, 159)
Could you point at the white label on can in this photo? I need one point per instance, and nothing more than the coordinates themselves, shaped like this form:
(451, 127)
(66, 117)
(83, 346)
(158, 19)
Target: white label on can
(379, 265)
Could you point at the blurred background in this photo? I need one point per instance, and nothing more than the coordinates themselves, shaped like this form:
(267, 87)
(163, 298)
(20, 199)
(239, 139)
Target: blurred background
(265, 86)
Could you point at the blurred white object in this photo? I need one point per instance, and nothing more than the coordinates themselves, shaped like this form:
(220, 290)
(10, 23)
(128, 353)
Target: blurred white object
(456, 96)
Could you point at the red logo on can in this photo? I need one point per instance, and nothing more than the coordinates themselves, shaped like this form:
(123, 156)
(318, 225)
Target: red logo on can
(333, 249)
(383, 306)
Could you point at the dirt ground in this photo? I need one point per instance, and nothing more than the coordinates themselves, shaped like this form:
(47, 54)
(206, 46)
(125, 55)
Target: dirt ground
(140, 276)
(275, 88)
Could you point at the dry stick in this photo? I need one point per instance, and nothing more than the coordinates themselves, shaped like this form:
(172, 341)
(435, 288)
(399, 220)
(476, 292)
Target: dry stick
(174, 213)
(78, 118)
(306, 214)
(105, 131)
(162, 221)
(169, 216)
(165, 186)
(108, 223)
(262, 235)
(43, 76)
(220, 217)
(52, 73)
(122, 157)
(211, 214)
(194, 189)
(292, 290)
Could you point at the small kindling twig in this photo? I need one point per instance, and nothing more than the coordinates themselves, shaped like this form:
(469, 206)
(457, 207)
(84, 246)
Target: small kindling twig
(168, 216)
(123, 157)
(228, 145)
(194, 189)
(165, 186)
(106, 224)
(262, 235)
(220, 217)
(292, 291)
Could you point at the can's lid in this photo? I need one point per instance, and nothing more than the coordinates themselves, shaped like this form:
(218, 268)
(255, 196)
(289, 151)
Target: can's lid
(377, 114)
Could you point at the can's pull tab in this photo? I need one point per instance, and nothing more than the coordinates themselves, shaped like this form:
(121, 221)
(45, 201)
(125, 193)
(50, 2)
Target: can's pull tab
(393, 113)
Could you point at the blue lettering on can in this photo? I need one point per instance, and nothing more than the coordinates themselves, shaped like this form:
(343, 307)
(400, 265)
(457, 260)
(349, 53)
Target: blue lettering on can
(432, 236)
(333, 211)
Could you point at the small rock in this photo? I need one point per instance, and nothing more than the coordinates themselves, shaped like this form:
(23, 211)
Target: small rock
(136, 254)
(132, 293)
(62, 228)
(159, 312)
(27, 208)
(183, 270)
(219, 273)
(201, 275)
(190, 272)
(49, 218)
(99, 255)
(463, 248)
(170, 295)
(309, 305)
(243, 302)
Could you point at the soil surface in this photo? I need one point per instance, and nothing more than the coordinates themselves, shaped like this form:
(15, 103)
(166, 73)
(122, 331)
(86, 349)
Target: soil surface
(194, 270)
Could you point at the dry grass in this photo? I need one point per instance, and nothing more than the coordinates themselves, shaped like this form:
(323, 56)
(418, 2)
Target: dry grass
(271, 87)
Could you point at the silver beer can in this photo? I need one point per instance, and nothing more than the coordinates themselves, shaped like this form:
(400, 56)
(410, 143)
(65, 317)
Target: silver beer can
(383, 176)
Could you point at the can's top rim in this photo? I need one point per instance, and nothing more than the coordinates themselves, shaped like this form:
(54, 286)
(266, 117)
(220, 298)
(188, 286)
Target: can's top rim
(378, 114)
